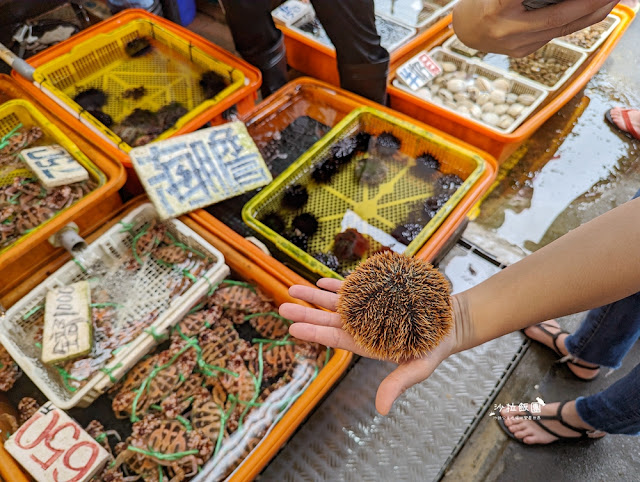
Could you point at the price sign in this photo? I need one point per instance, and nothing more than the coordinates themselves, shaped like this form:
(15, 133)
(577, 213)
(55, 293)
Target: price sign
(53, 447)
(290, 12)
(419, 71)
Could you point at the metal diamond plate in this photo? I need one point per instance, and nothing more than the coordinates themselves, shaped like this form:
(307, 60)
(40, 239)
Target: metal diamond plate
(346, 439)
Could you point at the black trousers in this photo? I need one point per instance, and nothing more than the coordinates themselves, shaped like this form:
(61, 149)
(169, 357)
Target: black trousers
(350, 24)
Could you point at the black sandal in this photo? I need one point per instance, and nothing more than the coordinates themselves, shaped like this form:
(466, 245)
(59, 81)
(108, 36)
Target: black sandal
(556, 349)
(584, 433)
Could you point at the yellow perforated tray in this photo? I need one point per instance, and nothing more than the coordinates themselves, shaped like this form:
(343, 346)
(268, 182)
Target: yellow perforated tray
(170, 72)
(20, 112)
(384, 206)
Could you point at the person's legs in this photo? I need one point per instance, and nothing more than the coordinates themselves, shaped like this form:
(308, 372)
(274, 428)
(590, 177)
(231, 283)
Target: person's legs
(363, 64)
(258, 40)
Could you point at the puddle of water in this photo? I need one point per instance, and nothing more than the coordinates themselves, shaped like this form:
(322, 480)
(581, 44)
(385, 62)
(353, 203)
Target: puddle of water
(547, 194)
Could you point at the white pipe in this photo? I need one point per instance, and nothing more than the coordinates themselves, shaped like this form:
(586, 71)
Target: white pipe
(69, 239)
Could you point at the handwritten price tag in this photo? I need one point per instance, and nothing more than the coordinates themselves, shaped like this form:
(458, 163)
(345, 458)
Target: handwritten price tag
(290, 12)
(54, 166)
(419, 71)
(53, 447)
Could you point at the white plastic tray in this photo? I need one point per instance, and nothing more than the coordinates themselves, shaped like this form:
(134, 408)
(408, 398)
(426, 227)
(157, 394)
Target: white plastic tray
(611, 23)
(151, 293)
(518, 85)
(397, 11)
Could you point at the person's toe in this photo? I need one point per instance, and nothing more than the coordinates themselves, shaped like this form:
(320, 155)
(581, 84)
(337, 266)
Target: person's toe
(618, 120)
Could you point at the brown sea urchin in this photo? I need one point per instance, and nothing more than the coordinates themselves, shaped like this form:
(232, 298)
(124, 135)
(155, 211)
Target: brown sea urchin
(396, 307)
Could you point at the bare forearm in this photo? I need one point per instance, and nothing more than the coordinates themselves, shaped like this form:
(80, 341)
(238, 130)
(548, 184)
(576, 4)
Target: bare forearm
(591, 266)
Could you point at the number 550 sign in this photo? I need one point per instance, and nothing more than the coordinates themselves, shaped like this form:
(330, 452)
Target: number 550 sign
(53, 447)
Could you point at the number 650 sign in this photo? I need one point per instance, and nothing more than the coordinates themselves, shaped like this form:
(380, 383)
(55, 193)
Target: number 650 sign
(53, 447)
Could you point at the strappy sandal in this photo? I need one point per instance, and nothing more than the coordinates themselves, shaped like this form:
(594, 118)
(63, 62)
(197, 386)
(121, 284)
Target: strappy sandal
(630, 132)
(537, 419)
(563, 358)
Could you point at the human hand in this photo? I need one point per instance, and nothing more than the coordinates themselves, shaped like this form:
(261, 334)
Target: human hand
(507, 27)
(325, 327)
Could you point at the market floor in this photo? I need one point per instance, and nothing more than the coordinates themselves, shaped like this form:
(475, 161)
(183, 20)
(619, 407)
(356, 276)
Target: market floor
(568, 175)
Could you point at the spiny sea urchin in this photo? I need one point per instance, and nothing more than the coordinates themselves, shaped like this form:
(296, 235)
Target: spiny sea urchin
(138, 47)
(306, 223)
(274, 222)
(396, 307)
(387, 144)
(324, 172)
(362, 141)
(295, 197)
(329, 260)
(405, 233)
(426, 165)
(344, 149)
(449, 183)
(91, 99)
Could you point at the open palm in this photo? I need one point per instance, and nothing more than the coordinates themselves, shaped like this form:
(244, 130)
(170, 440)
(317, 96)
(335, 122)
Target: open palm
(325, 327)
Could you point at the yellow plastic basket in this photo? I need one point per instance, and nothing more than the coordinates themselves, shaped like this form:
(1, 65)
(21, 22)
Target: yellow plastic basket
(170, 72)
(384, 206)
(20, 112)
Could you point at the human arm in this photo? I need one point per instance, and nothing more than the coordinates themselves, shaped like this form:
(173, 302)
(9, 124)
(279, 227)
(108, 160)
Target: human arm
(507, 27)
(592, 265)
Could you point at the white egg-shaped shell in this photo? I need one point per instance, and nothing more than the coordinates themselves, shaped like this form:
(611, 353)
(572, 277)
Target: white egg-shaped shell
(456, 85)
(515, 110)
(482, 98)
(483, 84)
(501, 109)
(490, 118)
(512, 98)
(526, 99)
(449, 67)
(501, 84)
(498, 96)
(488, 107)
(476, 111)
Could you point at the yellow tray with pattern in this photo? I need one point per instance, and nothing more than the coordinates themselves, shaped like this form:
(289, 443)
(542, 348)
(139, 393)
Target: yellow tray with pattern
(384, 206)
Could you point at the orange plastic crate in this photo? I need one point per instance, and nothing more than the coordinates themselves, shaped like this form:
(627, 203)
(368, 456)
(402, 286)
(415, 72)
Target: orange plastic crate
(18, 262)
(501, 146)
(242, 99)
(328, 105)
(319, 61)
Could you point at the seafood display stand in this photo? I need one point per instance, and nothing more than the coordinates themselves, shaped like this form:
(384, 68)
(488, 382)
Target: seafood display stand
(31, 253)
(57, 78)
(499, 144)
(247, 265)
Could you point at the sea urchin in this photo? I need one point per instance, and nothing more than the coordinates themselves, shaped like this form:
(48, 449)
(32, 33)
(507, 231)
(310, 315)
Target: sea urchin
(396, 307)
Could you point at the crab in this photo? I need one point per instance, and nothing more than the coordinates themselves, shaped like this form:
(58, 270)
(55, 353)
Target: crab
(280, 358)
(222, 340)
(241, 298)
(171, 254)
(20, 140)
(155, 435)
(269, 326)
(96, 430)
(193, 324)
(148, 241)
(243, 387)
(180, 400)
(125, 391)
(206, 413)
(9, 370)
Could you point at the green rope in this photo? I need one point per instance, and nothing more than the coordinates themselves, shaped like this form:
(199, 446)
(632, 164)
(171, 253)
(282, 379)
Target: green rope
(105, 305)
(269, 313)
(197, 308)
(101, 437)
(134, 243)
(273, 343)
(82, 268)
(327, 356)
(184, 422)
(257, 383)
(181, 378)
(14, 199)
(66, 376)
(109, 371)
(38, 344)
(4, 142)
(161, 456)
(32, 311)
(239, 283)
(156, 407)
(28, 180)
(223, 423)
(126, 227)
(205, 367)
(187, 274)
(157, 337)
(160, 474)
(184, 246)
(120, 348)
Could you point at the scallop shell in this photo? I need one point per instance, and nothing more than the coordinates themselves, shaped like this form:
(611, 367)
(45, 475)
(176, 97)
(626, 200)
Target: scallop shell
(501, 109)
(501, 84)
(498, 96)
(512, 98)
(449, 67)
(476, 111)
(483, 84)
(482, 98)
(488, 107)
(515, 110)
(455, 85)
(526, 99)
(490, 118)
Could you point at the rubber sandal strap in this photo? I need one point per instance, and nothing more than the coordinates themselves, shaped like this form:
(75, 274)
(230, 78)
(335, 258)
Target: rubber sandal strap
(593, 369)
(558, 418)
(627, 123)
(554, 336)
(583, 432)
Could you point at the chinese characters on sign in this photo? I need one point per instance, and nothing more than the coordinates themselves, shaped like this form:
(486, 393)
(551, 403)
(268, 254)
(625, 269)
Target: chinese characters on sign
(522, 410)
(52, 446)
(419, 71)
(54, 166)
(195, 170)
(67, 323)
(290, 12)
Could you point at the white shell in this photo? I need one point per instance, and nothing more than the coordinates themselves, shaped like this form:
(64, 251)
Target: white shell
(501, 84)
(463, 110)
(482, 98)
(449, 67)
(434, 88)
(473, 91)
(461, 97)
(526, 99)
(505, 122)
(490, 118)
(476, 111)
(498, 96)
(489, 107)
(460, 75)
(455, 85)
(424, 93)
(436, 100)
(501, 109)
(450, 104)
(512, 98)
(483, 84)
(515, 110)
(445, 94)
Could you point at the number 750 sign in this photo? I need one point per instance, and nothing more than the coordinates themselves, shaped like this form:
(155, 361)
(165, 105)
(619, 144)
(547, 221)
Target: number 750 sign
(53, 447)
